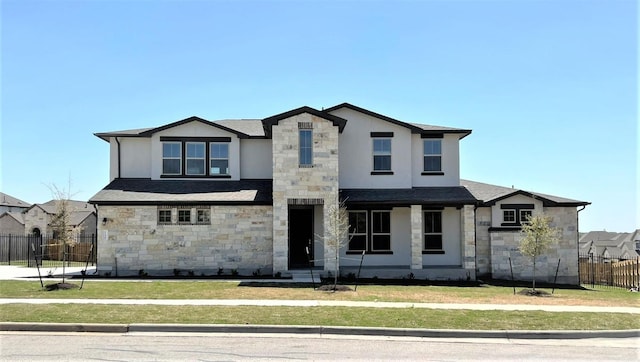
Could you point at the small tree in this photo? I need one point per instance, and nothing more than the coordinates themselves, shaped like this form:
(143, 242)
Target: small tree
(538, 235)
(60, 223)
(336, 233)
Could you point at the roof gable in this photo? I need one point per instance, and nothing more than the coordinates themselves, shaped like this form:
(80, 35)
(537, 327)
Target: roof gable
(148, 132)
(490, 194)
(269, 122)
(8, 200)
(416, 128)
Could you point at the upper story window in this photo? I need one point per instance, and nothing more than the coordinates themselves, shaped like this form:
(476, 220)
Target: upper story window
(432, 155)
(188, 157)
(432, 232)
(219, 158)
(171, 158)
(382, 154)
(305, 157)
(525, 215)
(516, 214)
(509, 216)
(195, 158)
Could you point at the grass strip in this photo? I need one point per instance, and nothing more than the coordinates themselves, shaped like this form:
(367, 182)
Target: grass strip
(382, 293)
(327, 316)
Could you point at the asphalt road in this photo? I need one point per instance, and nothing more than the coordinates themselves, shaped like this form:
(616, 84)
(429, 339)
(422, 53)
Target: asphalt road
(19, 346)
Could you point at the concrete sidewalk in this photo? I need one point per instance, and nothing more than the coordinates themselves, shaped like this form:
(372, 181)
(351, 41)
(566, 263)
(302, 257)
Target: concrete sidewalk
(325, 303)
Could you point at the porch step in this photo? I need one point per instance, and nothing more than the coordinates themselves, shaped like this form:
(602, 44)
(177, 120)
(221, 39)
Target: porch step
(304, 276)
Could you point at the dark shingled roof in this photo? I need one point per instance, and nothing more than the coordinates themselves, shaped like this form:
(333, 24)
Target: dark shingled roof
(443, 196)
(128, 191)
(490, 194)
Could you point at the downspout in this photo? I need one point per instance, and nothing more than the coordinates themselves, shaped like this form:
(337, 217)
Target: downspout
(578, 238)
(118, 142)
(475, 238)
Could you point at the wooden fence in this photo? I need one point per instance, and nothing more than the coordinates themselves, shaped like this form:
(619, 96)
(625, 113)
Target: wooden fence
(598, 270)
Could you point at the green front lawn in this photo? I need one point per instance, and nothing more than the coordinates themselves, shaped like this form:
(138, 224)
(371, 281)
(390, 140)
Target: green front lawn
(319, 316)
(389, 293)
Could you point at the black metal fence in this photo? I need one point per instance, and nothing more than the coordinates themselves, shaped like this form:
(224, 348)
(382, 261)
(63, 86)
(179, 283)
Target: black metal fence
(49, 252)
(609, 271)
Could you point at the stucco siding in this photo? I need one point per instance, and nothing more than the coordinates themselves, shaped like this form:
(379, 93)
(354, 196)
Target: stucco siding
(256, 159)
(451, 241)
(356, 152)
(194, 129)
(450, 162)
(400, 244)
(135, 156)
(497, 211)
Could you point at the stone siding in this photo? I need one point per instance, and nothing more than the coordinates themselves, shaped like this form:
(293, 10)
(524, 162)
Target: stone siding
(238, 238)
(504, 244)
(483, 242)
(318, 183)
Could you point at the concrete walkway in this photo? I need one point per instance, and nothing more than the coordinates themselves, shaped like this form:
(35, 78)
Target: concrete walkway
(325, 303)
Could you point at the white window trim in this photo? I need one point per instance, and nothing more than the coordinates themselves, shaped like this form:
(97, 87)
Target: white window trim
(203, 158)
(211, 158)
(179, 158)
(522, 211)
(504, 214)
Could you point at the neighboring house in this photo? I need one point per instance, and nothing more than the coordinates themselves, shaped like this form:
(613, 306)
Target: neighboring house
(9, 203)
(252, 195)
(37, 218)
(618, 246)
(12, 222)
(11, 218)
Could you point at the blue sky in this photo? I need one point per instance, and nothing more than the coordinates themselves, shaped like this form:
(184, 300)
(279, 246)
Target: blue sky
(549, 88)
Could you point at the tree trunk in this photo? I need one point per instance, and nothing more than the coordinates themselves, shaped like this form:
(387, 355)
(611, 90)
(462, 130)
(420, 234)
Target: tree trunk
(534, 274)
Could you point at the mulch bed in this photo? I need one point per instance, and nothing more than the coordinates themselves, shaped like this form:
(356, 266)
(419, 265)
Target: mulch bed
(331, 288)
(60, 286)
(534, 293)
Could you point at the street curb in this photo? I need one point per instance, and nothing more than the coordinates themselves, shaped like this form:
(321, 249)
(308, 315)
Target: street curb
(320, 330)
(64, 327)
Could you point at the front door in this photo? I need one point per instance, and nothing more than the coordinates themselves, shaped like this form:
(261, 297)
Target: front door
(300, 236)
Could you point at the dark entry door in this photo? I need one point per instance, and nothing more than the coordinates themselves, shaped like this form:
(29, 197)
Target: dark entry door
(300, 236)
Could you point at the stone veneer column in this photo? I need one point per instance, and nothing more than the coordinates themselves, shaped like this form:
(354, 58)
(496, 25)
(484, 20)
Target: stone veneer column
(468, 236)
(291, 182)
(416, 237)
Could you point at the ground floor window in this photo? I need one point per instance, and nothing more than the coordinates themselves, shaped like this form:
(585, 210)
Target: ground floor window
(433, 232)
(369, 231)
(164, 215)
(184, 214)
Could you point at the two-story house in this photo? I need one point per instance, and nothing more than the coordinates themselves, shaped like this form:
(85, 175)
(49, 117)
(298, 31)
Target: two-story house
(251, 195)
